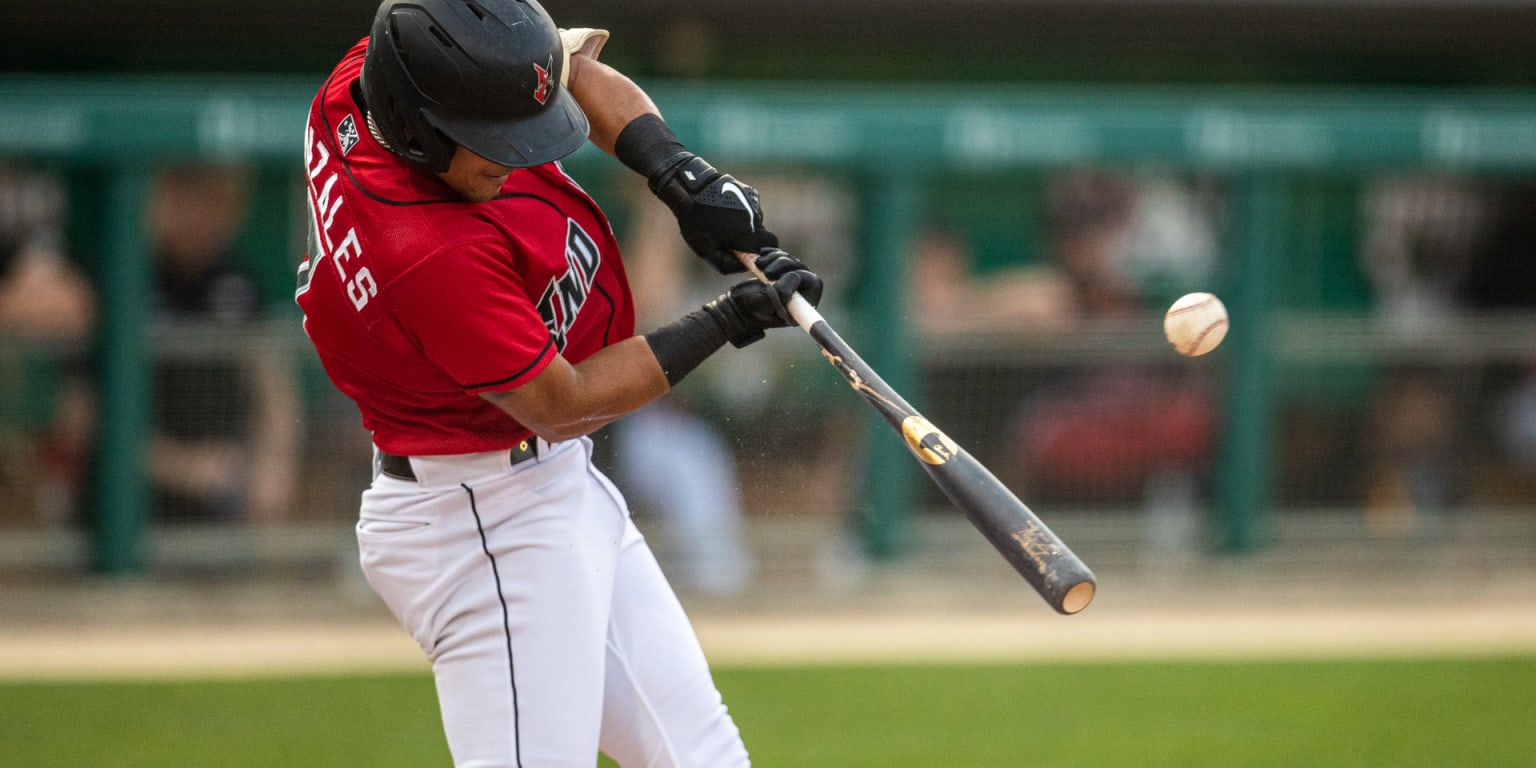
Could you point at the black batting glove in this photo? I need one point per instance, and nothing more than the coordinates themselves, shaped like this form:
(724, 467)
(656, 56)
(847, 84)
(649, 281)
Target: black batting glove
(751, 307)
(789, 276)
(716, 213)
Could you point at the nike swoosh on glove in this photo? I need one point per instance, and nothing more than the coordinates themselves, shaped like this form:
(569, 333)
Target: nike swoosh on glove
(717, 214)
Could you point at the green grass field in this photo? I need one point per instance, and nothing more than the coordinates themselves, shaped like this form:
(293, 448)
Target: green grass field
(1431, 713)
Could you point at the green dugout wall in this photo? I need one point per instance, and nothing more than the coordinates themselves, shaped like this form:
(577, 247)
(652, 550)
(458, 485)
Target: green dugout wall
(894, 141)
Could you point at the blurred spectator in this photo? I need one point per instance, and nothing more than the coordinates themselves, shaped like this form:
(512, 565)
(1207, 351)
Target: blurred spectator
(682, 470)
(1516, 422)
(1113, 429)
(672, 462)
(43, 296)
(1089, 218)
(224, 442)
(1501, 275)
(47, 311)
(1101, 431)
(1422, 236)
(948, 297)
(1115, 243)
(1411, 430)
(1500, 279)
(676, 459)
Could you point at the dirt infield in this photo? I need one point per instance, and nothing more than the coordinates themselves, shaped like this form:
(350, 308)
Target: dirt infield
(155, 632)
(1327, 592)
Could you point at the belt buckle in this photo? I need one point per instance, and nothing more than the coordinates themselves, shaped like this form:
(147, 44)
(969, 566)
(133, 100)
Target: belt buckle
(398, 467)
(527, 449)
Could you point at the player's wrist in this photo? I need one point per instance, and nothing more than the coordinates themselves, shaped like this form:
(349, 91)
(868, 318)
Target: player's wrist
(685, 343)
(744, 312)
(680, 184)
(648, 146)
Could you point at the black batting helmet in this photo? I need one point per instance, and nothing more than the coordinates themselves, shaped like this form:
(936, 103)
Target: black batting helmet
(481, 74)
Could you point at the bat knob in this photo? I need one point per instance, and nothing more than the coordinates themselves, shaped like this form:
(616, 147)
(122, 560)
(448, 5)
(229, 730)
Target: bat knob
(1078, 597)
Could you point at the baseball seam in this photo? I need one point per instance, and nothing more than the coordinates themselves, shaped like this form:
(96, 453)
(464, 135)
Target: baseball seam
(1192, 307)
(1200, 340)
(1195, 344)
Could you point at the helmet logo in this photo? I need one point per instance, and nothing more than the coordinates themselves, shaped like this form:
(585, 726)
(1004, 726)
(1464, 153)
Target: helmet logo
(541, 93)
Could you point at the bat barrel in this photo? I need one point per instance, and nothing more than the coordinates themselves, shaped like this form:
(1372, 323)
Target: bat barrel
(1021, 537)
(1032, 548)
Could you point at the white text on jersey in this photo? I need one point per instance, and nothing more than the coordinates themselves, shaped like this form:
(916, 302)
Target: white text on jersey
(563, 298)
(323, 241)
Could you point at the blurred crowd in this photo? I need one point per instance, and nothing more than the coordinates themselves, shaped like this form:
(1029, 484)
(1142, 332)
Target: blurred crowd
(1423, 434)
(223, 441)
(237, 433)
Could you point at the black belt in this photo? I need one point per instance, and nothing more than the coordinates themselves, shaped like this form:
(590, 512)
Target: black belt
(399, 467)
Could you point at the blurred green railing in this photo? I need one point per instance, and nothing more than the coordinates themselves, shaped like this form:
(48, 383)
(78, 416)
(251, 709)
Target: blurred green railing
(888, 137)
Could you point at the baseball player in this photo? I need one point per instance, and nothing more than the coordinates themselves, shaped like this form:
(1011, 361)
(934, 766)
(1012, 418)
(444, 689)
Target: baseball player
(469, 296)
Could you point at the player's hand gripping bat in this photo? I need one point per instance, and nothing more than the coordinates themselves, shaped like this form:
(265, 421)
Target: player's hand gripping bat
(1024, 541)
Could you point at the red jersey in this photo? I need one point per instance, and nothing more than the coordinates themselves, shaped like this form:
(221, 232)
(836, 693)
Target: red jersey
(418, 300)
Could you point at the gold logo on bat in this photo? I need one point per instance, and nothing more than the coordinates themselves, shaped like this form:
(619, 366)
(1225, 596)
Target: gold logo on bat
(1034, 542)
(925, 440)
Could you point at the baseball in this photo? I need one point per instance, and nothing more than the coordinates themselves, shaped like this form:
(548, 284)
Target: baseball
(1195, 324)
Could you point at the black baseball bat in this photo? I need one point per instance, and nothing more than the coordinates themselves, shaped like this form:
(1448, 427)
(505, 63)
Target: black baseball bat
(1023, 539)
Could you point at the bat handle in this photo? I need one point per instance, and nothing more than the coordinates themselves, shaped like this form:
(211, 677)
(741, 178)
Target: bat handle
(801, 310)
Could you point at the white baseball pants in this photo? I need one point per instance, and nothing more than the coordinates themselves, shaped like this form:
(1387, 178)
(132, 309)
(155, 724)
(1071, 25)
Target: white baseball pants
(551, 630)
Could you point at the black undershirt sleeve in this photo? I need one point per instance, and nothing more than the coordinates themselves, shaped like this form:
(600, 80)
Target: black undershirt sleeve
(682, 345)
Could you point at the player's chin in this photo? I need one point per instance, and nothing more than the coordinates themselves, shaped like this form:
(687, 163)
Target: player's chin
(485, 187)
(479, 187)
(481, 195)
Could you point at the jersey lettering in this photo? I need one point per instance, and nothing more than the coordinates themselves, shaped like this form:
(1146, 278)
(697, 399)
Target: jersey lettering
(361, 288)
(563, 298)
(324, 203)
(315, 155)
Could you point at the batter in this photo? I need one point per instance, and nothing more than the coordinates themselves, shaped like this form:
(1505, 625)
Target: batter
(470, 297)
